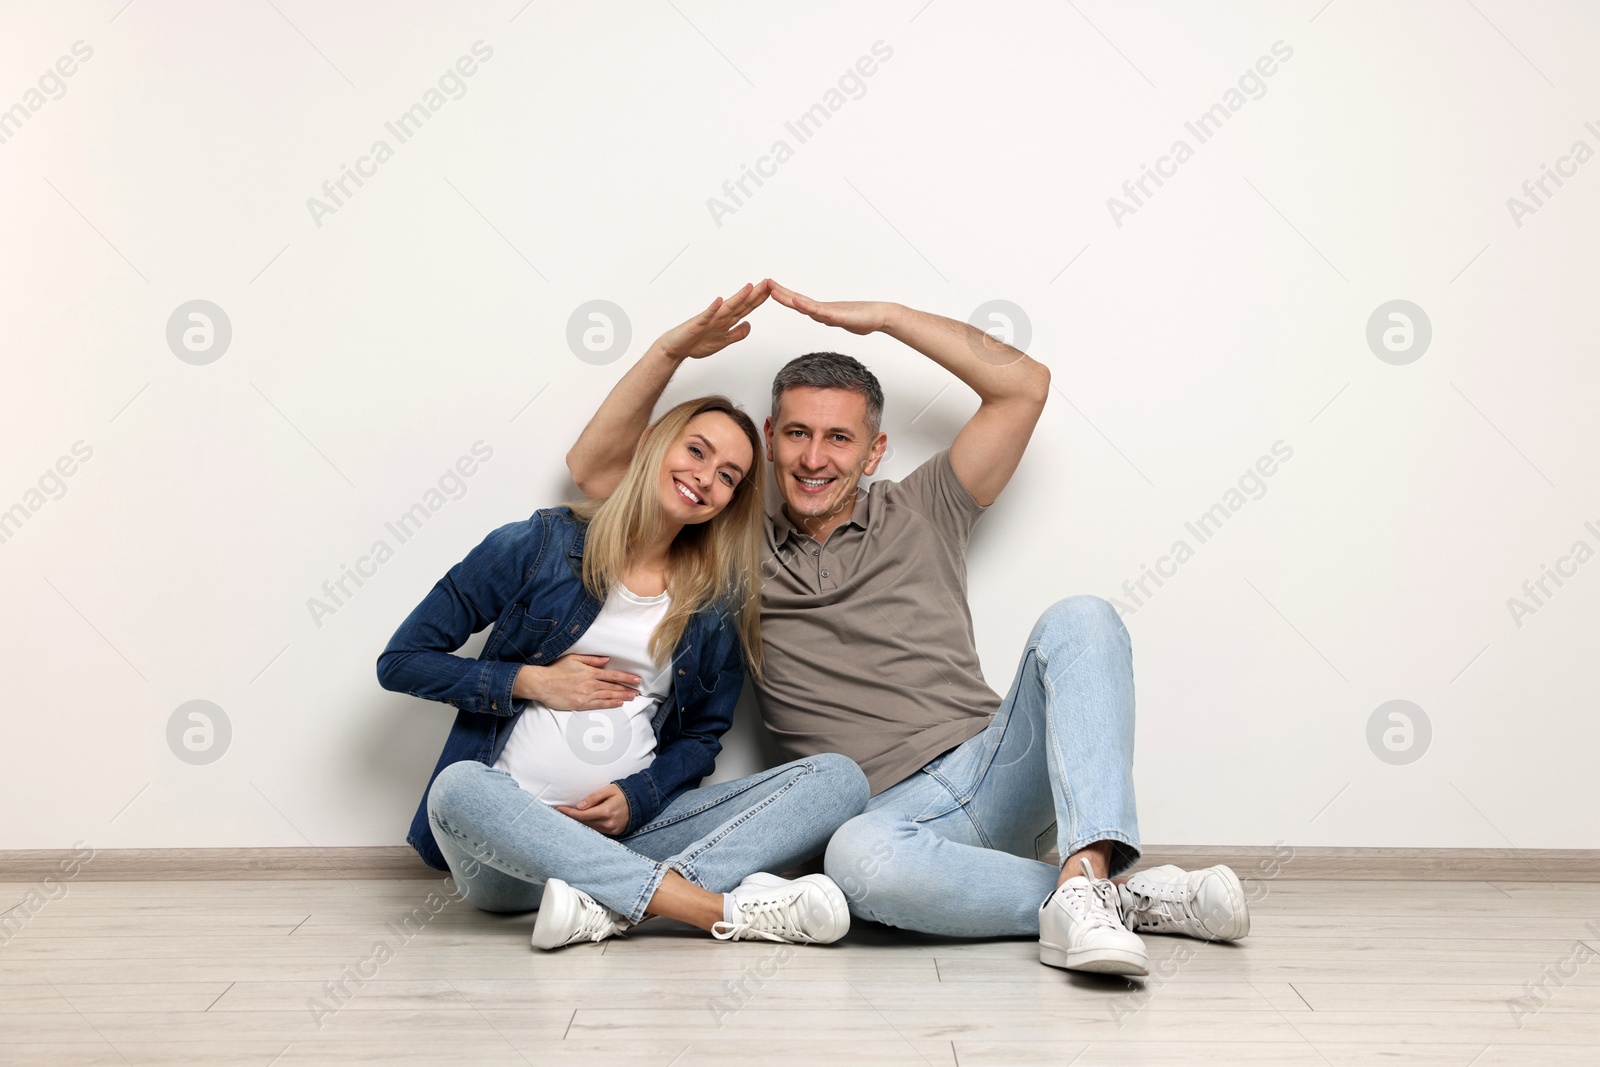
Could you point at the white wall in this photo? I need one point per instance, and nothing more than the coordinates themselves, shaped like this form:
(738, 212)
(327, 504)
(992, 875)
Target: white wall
(374, 345)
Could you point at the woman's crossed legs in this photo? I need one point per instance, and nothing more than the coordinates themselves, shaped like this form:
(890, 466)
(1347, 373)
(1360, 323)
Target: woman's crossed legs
(503, 846)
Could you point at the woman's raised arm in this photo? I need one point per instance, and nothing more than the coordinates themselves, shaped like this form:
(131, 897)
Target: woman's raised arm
(599, 458)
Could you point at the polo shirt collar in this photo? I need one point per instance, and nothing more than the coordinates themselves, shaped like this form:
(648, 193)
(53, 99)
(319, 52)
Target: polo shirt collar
(859, 514)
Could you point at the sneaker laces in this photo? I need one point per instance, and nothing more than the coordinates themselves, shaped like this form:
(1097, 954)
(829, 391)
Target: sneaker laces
(1096, 899)
(771, 918)
(598, 923)
(1162, 913)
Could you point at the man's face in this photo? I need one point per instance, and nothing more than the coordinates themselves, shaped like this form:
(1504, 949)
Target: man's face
(820, 447)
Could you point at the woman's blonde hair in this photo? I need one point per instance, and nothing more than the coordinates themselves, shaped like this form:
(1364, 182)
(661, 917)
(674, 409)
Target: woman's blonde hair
(712, 561)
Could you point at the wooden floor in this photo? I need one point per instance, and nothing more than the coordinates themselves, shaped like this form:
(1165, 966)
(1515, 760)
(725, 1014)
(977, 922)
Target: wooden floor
(242, 972)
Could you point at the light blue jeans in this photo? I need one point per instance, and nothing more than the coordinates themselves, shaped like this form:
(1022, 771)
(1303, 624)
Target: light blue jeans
(502, 844)
(955, 848)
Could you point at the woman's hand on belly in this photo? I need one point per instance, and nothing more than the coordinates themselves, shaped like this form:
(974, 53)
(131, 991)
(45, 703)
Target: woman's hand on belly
(576, 682)
(606, 810)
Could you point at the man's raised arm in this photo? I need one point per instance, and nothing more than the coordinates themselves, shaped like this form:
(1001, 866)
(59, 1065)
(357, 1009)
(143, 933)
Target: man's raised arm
(1011, 386)
(600, 457)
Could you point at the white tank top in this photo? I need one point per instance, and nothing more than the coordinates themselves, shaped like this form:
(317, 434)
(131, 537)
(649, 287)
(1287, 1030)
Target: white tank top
(563, 756)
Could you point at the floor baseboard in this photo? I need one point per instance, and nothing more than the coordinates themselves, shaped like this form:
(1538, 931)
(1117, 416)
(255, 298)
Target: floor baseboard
(1250, 862)
(1324, 863)
(215, 864)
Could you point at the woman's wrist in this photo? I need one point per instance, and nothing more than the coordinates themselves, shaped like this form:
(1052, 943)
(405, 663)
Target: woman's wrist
(526, 684)
(659, 351)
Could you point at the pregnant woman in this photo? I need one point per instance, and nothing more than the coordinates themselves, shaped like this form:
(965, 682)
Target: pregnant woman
(622, 630)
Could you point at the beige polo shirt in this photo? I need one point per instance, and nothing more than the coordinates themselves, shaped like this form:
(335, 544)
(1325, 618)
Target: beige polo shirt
(867, 638)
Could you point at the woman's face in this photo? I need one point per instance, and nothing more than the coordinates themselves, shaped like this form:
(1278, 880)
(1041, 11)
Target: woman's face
(703, 467)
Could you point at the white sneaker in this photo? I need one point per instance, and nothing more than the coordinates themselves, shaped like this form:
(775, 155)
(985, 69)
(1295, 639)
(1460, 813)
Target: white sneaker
(1208, 904)
(567, 915)
(1081, 929)
(807, 910)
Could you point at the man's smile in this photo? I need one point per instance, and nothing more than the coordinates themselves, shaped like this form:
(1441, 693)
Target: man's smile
(813, 485)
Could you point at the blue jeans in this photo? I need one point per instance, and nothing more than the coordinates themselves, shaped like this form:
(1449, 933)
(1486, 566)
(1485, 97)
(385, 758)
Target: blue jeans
(955, 848)
(502, 845)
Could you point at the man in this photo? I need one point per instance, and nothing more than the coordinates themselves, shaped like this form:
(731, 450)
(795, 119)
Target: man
(869, 652)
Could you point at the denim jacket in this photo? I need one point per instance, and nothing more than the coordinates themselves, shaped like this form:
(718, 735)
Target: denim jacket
(527, 579)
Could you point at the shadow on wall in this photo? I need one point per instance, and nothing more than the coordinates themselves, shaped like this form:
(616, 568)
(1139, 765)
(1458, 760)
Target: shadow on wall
(402, 743)
(748, 746)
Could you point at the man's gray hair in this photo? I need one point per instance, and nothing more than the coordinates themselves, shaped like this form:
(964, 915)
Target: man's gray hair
(832, 370)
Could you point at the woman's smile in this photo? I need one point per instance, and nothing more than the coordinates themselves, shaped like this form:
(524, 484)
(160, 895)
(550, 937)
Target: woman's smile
(688, 494)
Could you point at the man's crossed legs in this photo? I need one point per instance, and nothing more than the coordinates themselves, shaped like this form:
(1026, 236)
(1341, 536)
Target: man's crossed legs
(955, 848)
